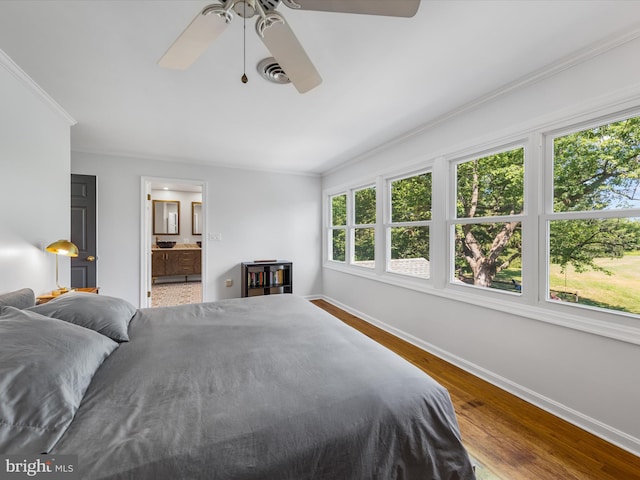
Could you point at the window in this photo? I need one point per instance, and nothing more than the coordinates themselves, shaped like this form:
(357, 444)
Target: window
(352, 228)
(408, 229)
(487, 228)
(468, 224)
(364, 228)
(594, 224)
(338, 227)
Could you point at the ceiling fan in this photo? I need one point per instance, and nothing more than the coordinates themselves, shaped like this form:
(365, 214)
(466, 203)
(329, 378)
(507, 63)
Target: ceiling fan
(274, 31)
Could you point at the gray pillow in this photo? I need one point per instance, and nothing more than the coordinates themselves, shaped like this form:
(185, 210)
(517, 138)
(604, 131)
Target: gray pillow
(47, 365)
(20, 299)
(109, 316)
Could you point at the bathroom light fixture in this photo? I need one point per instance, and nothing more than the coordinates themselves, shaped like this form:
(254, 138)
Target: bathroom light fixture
(62, 247)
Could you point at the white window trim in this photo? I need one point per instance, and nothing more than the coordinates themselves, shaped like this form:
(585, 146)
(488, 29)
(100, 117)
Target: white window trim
(532, 303)
(353, 226)
(548, 214)
(328, 237)
(350, 226)
(380, 272)
(388, 223)
(525, 143)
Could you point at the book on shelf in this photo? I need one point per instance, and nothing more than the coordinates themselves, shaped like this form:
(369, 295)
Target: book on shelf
(264, 279)
(256, 279)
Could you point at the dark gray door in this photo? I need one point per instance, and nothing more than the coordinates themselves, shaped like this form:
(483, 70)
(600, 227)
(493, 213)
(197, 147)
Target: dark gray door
(83, 230)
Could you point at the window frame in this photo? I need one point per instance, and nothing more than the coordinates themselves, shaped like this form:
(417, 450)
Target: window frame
(532, 303)
(332, 228)
(354, 227)
(350, 226)
(389, 224)
(549, 215)
(523, 218)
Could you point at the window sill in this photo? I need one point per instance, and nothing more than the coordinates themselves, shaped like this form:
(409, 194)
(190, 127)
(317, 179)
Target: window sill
(509, 303)
(405, 281)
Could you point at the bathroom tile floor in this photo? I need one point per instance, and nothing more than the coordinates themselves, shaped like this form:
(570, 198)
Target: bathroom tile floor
(170, 294)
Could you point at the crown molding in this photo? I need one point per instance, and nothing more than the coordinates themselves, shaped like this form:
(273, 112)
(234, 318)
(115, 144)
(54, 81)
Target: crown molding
(8, 64)
(581, 56)
(191, 162)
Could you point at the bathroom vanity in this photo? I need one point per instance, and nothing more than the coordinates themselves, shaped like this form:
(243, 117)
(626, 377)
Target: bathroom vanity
(180, 260)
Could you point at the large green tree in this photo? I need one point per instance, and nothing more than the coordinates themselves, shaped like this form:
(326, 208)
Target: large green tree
(488, 187)
(364, 214)
(411, 202)
(596, 169)
(580, 242)
(339, 218)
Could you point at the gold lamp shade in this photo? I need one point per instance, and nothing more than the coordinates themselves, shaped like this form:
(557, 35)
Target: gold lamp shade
(62, 247)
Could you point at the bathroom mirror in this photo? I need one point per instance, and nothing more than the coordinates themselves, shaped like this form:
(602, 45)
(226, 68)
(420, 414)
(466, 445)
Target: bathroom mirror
(196, 218)
(166, 217)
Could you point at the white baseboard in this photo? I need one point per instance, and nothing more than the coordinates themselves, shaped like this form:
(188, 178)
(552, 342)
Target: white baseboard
(606, 432)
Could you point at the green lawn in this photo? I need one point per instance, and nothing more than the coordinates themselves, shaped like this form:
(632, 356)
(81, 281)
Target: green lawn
(619, 291)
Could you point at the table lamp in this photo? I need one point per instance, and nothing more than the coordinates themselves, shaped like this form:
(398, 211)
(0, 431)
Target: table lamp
(62, 247)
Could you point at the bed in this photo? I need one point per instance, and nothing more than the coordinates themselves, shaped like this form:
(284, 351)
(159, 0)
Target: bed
(258, 388)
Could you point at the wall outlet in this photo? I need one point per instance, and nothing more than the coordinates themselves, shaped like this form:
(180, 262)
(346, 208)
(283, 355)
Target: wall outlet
(228, 282)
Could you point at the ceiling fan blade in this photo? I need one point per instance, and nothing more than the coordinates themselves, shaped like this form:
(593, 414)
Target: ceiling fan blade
(390, 8)
(201, 32)
(288, 52)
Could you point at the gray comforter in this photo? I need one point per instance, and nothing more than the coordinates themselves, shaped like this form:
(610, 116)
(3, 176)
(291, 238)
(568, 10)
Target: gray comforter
(262, 388)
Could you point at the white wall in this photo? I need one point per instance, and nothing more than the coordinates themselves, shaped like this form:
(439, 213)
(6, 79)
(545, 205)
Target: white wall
(34, 182)
(258, 214)
(589, 379)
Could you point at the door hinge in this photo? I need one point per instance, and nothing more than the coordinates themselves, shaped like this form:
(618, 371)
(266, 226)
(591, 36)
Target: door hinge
(148, 294)
(148, 196)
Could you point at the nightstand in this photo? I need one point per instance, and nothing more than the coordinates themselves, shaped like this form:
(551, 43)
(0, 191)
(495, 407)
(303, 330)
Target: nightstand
(45, 298)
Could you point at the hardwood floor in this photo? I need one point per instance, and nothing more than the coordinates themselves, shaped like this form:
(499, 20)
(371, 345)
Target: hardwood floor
(511, 437)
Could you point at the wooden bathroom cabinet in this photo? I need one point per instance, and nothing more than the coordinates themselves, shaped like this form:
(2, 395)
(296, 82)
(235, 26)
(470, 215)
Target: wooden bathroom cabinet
(175, 262)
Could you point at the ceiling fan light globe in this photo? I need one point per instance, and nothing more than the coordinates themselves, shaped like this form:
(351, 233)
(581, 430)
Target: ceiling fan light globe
(245, 8)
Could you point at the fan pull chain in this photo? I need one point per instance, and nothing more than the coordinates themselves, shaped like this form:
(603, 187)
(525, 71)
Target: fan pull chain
(244, 44)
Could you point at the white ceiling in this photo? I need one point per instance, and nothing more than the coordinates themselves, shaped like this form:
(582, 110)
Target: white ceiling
(382, 76)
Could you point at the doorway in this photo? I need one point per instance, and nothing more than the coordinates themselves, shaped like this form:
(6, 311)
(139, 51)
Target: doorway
(84, 231)
(172, 247)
